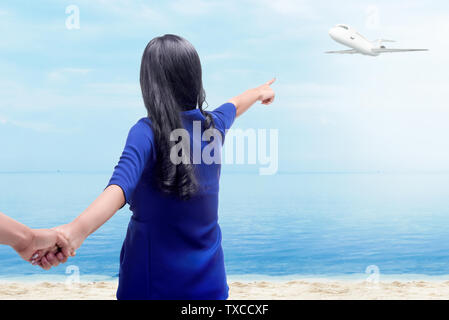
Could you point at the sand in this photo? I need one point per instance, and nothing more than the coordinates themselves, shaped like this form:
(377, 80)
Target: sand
(295, 289)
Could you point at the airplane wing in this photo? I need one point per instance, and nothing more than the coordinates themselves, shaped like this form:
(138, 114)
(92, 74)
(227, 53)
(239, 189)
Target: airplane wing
(384, 50)
(351, 51)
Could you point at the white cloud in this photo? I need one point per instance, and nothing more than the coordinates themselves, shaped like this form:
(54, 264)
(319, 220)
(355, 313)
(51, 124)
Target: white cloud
(309, 89)
(198, 7)
(35, 126)
(311, 95)
(16, 97)
(296, 8)
(134, 11)
(65, 73)
(115, 88)
(220, 56)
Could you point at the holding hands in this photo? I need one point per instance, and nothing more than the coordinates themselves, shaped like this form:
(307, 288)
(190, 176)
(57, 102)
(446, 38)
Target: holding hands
(43, 247)
(69, 237)
(53, 256)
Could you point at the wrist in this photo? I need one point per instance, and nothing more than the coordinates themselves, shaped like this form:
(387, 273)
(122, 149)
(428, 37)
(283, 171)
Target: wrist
(258, 93)
(24, 237)
(77, 231)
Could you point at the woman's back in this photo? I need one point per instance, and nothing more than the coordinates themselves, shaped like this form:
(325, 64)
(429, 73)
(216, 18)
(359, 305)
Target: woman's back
(173, 247)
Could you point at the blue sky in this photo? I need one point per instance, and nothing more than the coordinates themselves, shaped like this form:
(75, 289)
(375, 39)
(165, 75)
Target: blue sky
(69, 97)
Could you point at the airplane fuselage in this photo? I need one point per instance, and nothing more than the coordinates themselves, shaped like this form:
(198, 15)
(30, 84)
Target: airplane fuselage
(351, 38)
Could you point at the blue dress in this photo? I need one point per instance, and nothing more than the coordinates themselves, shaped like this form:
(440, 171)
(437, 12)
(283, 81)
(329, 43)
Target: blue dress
(172, 248)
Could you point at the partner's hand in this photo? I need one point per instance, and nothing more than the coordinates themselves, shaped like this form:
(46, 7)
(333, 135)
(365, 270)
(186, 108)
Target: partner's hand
(50, 259)
(42, 241)
(266, 93)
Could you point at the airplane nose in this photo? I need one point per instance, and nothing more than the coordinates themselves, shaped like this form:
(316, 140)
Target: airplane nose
(332, 32)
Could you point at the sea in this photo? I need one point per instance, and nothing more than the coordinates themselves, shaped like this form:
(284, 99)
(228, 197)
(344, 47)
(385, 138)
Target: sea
(290, 225)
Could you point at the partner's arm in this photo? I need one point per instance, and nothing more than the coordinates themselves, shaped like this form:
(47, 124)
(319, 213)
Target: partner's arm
(13, 233)
(26, 241)
(244, 101)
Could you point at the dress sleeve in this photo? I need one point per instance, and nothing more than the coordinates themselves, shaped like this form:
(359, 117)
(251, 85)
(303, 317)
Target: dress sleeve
(139, 149)
(224, 116)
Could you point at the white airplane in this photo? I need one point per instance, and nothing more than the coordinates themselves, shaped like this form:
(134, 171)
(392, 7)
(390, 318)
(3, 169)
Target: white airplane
(351, 38)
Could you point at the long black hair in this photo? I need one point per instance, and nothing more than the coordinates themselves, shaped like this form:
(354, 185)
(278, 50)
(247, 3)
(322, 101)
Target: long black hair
(171, 82)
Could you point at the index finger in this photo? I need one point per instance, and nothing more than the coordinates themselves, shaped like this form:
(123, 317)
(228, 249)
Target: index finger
(271, 81)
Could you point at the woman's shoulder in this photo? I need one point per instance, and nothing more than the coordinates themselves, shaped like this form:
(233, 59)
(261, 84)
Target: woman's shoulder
(224, 116)
(143, 124)
(142, 128)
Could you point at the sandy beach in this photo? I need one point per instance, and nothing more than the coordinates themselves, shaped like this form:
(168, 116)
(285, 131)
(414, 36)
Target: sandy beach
(295, 289)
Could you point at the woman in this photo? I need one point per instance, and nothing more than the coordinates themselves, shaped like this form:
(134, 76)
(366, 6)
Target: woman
(173, 247)
(29, 242)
